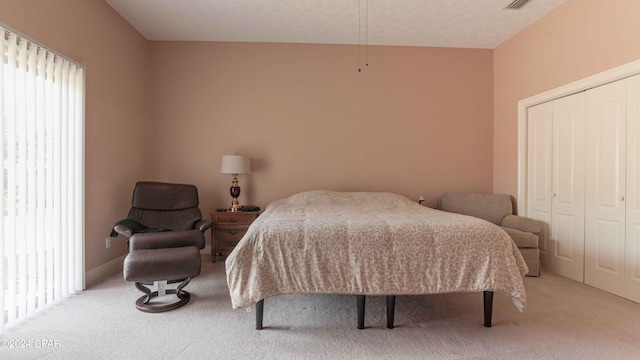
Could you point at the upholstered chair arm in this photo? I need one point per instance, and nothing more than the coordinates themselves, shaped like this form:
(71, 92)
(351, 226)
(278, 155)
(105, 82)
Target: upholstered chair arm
(166, 239)
(203, 225)
(520, 223)
(123, 230)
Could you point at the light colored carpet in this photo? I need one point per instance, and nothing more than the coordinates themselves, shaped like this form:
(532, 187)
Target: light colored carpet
(564, 320)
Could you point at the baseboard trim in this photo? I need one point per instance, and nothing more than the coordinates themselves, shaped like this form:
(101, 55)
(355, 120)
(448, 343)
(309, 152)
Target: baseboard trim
(94, 275)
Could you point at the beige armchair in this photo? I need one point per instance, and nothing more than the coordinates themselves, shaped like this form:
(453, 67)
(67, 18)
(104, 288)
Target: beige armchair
(498, 209)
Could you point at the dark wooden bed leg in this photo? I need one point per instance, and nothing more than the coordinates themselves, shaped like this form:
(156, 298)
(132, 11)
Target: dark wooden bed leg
(360, 304)
(259, 312)
(391, 308)
(488, 307)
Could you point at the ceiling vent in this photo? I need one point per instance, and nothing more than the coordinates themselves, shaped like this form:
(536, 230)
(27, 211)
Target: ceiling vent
(517, 4)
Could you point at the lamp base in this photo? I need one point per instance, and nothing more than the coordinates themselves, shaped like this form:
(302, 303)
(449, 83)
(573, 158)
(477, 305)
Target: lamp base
(234, 191)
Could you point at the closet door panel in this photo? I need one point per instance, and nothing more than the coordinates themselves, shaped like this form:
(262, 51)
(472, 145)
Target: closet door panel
(567, 193)
(564, 226)
(539, 133)
(605, 187)
(632, 279)
(606, 254)
(632, 249)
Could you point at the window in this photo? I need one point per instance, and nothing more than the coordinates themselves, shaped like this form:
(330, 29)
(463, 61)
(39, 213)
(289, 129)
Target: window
(42, 155)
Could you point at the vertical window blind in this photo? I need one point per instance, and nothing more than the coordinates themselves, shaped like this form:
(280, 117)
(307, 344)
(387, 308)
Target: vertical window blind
(42, 154)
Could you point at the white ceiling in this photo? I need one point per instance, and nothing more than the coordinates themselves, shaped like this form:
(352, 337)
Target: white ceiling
(483, 24)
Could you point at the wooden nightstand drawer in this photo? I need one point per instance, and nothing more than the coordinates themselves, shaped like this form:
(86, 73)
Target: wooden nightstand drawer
(226, 234)
(226, 246)
(234, 219)
(230, 227)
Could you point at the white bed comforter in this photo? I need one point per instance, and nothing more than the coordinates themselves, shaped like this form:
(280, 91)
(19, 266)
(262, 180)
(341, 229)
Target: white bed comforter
(371, 244)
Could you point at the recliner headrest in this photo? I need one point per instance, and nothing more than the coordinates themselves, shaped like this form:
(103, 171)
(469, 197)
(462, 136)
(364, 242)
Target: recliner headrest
(152, 195)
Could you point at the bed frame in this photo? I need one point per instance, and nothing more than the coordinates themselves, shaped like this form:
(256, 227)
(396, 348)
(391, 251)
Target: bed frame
(391, 304)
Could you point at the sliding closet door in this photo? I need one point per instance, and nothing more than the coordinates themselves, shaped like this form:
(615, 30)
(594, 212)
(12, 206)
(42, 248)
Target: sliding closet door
(605, 187)
(567, 187)
(539, 133)
(632, 261)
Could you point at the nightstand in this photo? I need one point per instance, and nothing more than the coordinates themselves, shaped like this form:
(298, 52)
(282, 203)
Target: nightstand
(229, 228)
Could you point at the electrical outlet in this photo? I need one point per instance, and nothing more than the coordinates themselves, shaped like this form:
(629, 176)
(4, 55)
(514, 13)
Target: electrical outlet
(108, 243)
(420, 200)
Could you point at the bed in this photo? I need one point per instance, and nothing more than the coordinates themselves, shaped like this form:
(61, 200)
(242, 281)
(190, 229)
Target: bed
(370, 243)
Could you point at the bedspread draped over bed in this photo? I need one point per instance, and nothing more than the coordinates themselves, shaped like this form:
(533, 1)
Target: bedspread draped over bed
(370, 244)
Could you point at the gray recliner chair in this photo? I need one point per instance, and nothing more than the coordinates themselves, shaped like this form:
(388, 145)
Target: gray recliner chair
(498, 209)
(165, 233)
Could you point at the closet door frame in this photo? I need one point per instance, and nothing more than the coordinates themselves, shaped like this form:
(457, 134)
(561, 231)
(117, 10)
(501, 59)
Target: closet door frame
(632, 261)
(615, 74)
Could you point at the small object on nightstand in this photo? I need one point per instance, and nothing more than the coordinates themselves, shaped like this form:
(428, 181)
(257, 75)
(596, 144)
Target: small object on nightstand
(229, 228)
(249, 208)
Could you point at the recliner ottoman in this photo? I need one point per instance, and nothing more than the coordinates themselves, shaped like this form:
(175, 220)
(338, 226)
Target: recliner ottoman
(145, 266)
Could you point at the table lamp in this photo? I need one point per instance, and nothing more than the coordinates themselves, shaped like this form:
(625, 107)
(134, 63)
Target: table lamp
(235, 164)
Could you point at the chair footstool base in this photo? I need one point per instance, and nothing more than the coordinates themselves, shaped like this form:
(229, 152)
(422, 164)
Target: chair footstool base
(144, 302)
(175, 265)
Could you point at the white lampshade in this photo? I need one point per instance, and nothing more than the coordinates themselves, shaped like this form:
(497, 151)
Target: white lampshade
(235, 164)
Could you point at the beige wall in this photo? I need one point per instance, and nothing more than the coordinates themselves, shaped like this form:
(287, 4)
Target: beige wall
(579, 39)
(417, 121)
(92, 33)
